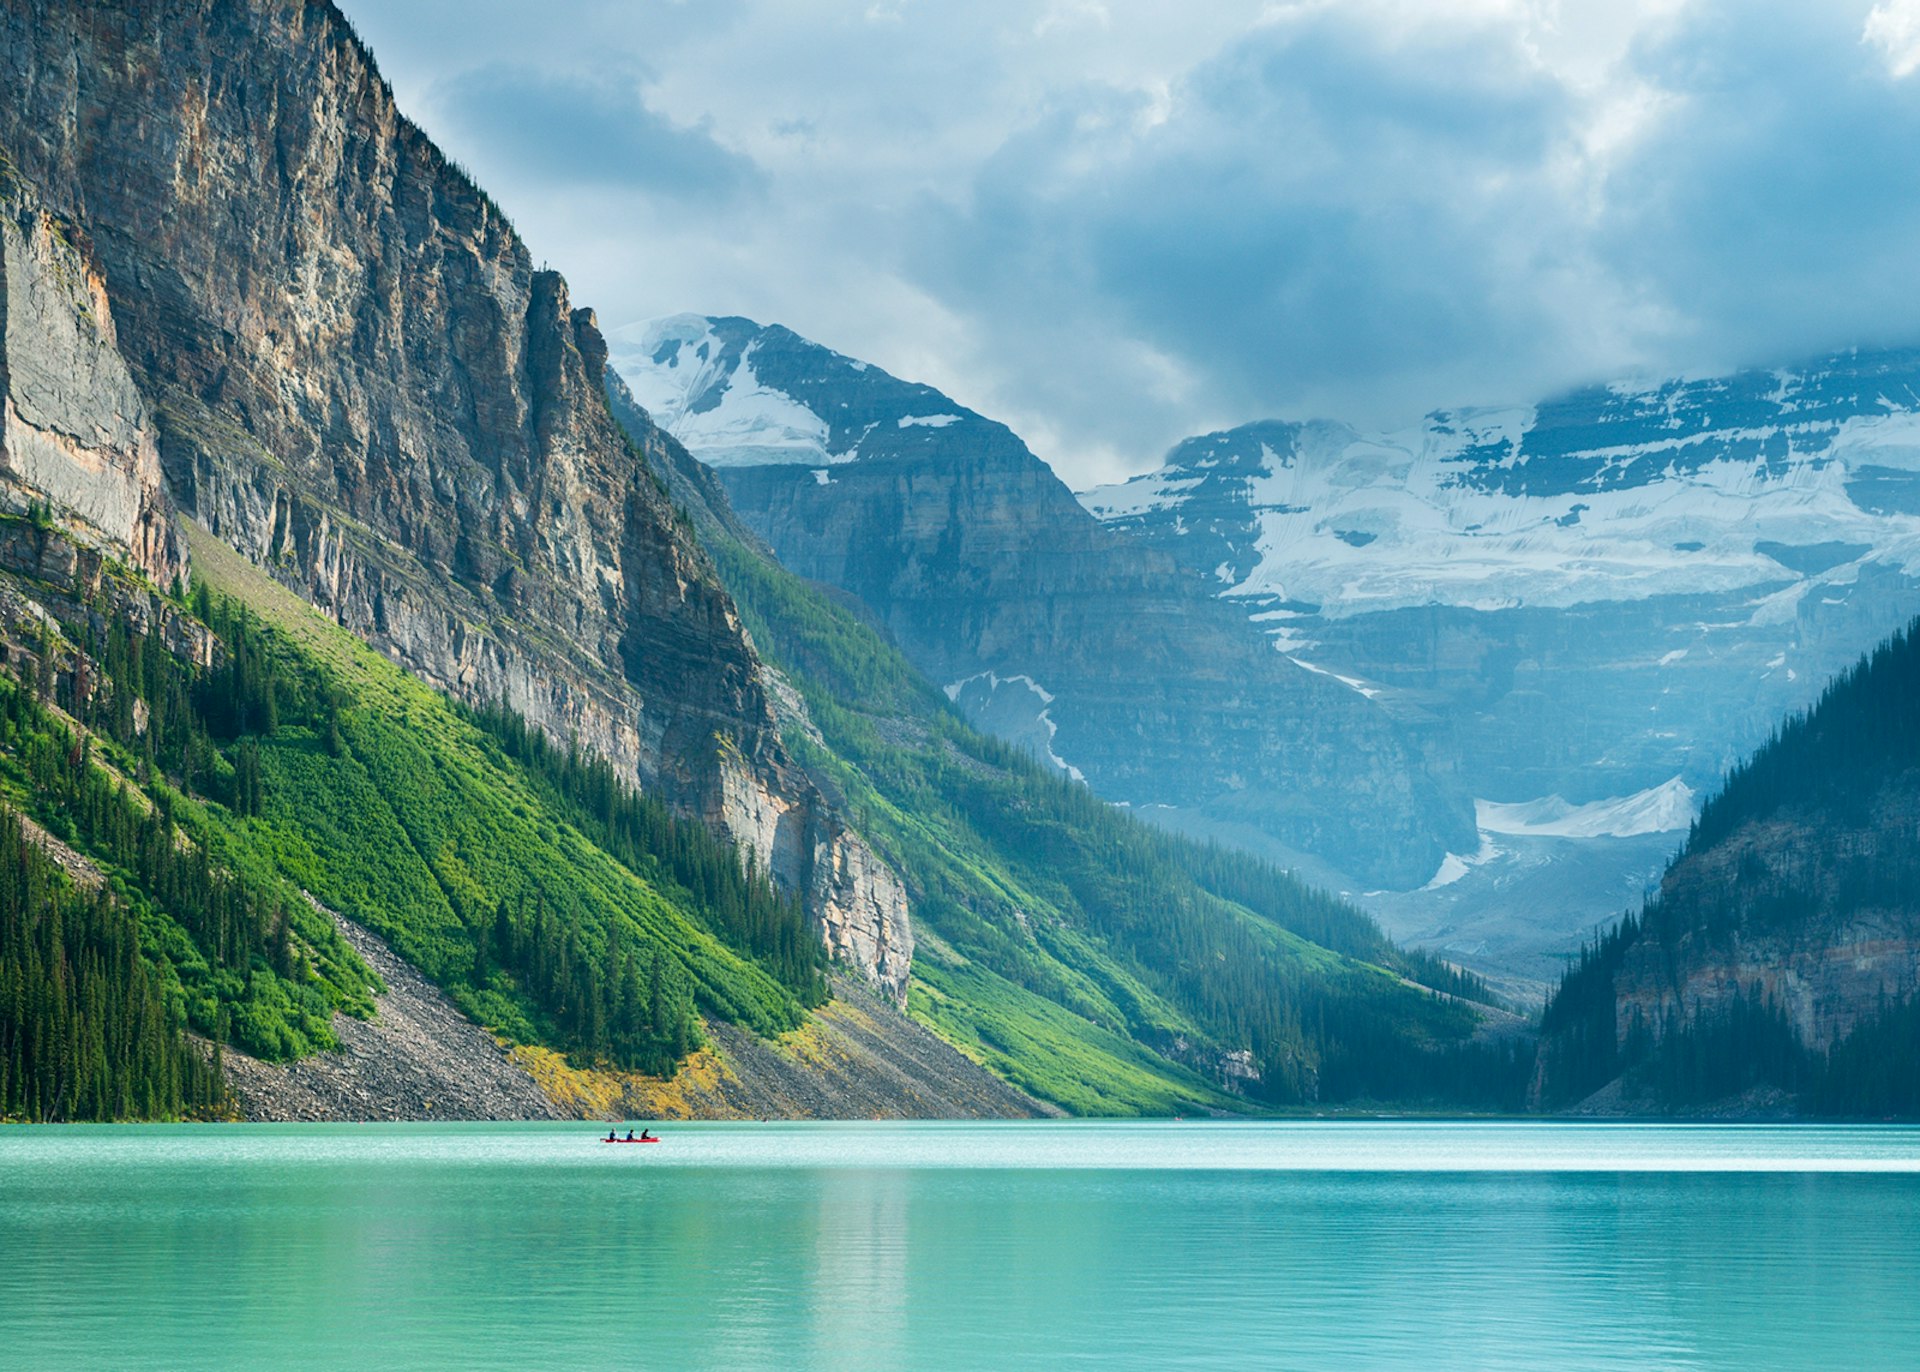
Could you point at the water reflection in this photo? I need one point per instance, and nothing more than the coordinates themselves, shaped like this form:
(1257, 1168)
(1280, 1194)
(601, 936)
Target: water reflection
(857, 1287)
(908, 1248)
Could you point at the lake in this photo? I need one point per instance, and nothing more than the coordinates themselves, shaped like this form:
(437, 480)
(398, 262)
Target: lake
(950, 1246)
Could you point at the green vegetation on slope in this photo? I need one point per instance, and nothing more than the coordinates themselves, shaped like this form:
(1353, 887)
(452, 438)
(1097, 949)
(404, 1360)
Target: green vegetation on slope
(86, 1030)
(393, 806)
(551, 902)
(242, 959)
(1092, 960)
(1818, 823)
(698, 870)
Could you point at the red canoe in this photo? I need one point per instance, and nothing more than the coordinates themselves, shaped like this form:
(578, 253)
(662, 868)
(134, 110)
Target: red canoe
(629, 1140)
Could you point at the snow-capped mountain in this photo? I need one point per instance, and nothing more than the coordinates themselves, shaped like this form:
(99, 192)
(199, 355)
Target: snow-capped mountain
(1608, 494)
(1577, 614)
(1090, 649)
(739, 395)
(1604, 598)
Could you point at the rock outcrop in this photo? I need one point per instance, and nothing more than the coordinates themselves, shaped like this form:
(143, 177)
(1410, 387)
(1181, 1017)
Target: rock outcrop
(351, 370)
(1782, 919)
(77, 442)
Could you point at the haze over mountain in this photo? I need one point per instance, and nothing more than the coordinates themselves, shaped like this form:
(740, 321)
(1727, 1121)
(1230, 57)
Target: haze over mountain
(1095, 652)
(1579, 613)
(1608, 597)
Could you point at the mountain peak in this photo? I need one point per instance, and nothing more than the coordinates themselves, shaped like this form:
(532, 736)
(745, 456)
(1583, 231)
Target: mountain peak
(739, 393)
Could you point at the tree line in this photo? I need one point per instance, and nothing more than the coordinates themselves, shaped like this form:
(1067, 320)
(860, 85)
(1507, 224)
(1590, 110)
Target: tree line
(704, 874)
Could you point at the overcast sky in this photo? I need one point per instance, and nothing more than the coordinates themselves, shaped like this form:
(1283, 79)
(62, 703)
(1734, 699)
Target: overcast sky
(1114, 223)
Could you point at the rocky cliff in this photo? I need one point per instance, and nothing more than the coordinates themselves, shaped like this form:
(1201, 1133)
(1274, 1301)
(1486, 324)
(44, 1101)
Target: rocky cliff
(77, 442)
(1835, 962)
(237, 258)
(1096, 652)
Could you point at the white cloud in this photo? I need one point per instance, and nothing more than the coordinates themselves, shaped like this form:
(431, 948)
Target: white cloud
(1893, 26)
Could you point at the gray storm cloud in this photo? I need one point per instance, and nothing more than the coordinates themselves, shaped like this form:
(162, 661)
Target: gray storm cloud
(1113, 229)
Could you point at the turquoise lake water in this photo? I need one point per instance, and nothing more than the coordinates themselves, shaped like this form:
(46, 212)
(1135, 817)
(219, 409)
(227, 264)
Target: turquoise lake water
(950, 1246)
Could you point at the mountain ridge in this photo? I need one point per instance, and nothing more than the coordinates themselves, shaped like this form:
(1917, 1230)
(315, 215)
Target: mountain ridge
(445, 650)
(1616, 589)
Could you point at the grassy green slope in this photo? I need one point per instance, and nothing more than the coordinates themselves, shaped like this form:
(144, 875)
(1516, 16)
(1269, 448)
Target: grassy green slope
(552, 904)
(421, 828)
(1089, 959)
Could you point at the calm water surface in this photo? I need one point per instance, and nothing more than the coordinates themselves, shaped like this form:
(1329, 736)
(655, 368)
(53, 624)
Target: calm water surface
(1362, 1246)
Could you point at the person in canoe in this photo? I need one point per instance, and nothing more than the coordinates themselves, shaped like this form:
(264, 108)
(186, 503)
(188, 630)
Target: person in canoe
(630, 1138)
(645, 1137)
(610, 1135)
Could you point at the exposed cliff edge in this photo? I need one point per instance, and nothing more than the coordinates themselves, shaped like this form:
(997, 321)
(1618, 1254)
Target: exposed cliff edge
(77, 442)
(349, 369)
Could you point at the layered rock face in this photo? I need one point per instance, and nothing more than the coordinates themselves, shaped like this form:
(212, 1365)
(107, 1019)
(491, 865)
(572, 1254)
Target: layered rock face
(76, 439)
(356, 377)
(1094, 651)
(1828, 965)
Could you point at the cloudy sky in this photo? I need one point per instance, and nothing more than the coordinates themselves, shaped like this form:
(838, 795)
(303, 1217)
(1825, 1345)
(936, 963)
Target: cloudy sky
(1114, 223)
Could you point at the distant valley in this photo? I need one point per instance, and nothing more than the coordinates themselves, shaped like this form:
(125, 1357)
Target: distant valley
(1577, 615)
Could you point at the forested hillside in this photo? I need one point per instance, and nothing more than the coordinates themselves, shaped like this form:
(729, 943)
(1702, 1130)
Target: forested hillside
(1781, 956)
(331, 590)
(86, 1027)
(551, 902)
(1088, 959)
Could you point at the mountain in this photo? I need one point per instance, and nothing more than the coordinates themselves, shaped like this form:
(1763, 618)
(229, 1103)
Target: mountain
(351, 370)
(345, 628)
(1778, 966)
(1093, 652)
(1602, 600)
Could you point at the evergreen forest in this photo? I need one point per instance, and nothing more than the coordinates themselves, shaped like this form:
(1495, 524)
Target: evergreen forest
(1811, 835)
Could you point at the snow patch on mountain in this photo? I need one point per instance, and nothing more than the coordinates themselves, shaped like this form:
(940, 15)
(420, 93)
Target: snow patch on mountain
(1500, 509)
(701, 387)
(1656, 810)
(1456, 867)
(1351, 682)
(1014, 707)
(1452, 868)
